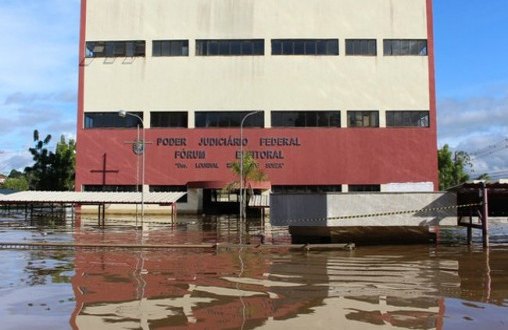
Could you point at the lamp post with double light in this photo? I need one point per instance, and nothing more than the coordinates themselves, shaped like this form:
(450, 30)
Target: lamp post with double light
(242, 197)
(123, 114)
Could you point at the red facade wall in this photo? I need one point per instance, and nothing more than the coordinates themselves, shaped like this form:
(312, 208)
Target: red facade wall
(317, 156)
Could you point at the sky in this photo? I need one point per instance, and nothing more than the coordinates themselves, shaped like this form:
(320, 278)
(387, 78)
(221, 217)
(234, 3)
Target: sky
(39, 75)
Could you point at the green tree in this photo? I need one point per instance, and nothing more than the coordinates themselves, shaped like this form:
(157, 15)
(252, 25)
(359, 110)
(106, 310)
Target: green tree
(18, 184)
(484, 176)
(39, 174)
(15, 174)
(452, 167)
(51, 171)
(64, 164)
(249, 172)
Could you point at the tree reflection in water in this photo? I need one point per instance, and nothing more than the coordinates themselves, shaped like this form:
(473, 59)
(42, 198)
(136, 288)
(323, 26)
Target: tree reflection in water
(415, 287)
(200, 288)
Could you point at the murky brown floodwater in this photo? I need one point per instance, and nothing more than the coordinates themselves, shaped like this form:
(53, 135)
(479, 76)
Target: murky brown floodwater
(448, 286)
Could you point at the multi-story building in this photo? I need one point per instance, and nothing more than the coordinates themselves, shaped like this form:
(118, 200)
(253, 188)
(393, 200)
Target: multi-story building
(344, 93)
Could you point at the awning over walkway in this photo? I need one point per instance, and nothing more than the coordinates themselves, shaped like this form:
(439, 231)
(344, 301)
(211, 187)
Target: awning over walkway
(71, 197)
(259, 201)
(470, 192)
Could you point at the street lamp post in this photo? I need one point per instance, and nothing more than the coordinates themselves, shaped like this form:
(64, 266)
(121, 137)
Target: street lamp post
(242, 202)
(123, 114)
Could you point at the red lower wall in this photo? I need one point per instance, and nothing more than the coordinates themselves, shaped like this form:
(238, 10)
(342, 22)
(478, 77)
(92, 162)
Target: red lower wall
(317, 156)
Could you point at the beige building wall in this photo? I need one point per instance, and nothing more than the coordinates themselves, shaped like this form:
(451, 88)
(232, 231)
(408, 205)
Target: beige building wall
(256, 82)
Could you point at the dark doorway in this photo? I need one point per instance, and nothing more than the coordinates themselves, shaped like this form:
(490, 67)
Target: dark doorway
(218, 201)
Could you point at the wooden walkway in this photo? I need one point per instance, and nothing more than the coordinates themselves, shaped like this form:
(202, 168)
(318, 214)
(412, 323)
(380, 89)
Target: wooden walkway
(217, 246)
(490, 200)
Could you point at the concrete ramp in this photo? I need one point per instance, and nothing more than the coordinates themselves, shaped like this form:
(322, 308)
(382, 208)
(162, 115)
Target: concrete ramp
(364, 209)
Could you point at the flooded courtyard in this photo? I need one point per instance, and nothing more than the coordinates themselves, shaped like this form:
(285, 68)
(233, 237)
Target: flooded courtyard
(444, 286)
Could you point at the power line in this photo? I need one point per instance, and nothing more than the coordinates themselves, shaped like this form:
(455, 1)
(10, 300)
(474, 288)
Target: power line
(490, 149)
(498, 174)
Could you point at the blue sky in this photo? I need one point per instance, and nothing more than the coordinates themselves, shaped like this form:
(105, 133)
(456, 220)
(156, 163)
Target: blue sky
(472, 78)
(38, 74)
(38, 79)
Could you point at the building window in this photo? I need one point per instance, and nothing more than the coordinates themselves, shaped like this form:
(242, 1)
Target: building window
(235, 47)
(305, 118)
(407, 119)
(362, 119)
(228, 119)
(366, 47)
(168, 119)
(224, 196)
(111, 188)
(364, 187)
(170, 48)
(306, 189)
(115, 48)
(160, 188)
(111, 120)
(305, 47)
(405, 47)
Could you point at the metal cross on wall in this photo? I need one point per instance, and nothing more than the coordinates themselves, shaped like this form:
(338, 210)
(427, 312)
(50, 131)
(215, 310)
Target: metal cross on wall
(104, 170)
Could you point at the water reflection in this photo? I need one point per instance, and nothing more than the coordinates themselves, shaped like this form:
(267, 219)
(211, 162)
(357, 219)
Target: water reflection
(412, 287)
(407, 290)
(393, 286)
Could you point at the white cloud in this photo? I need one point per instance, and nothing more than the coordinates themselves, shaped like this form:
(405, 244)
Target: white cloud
(475, 124)
(14, 160)
(39, 65)
(481, 116)
(24, 98)
(39, 41)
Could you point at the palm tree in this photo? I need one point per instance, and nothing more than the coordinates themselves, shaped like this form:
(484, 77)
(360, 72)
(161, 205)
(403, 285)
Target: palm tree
(250, 172)
(38, 174)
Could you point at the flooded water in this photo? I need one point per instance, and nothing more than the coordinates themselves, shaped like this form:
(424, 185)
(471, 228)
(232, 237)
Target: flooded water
(445, 286)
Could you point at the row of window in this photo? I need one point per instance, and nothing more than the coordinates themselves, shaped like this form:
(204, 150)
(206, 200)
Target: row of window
(230, 47)
(228, 119)
(324, 189)
(170, 48)
(252, 47)
(306, 189)
(130, 48)
(305, 47)
(218, 195)
(225, 119)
